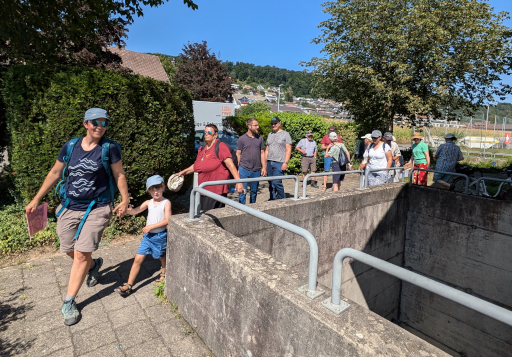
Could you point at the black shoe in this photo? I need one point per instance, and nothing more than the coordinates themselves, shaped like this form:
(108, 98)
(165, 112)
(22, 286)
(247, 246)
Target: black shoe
(314, 185)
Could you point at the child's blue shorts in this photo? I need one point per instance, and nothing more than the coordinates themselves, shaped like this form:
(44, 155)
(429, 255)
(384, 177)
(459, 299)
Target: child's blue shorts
(154, 244)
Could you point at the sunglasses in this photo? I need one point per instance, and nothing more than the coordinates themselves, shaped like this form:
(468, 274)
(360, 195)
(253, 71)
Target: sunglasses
(274, 124)
(209, 132)
(97, 123)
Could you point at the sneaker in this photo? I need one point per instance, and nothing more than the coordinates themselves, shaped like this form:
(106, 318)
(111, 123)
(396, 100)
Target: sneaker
(314, 185)
(71, 313)
(94, 274)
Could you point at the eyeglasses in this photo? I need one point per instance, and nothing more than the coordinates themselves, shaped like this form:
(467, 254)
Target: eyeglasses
(96, 122)
(209, 132)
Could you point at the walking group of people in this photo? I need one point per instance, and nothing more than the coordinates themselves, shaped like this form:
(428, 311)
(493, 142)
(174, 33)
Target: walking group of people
(91, 171)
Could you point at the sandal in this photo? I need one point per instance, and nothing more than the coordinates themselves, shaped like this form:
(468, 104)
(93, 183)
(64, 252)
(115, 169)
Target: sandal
(124, 292)
(160, 278)
(324, 188)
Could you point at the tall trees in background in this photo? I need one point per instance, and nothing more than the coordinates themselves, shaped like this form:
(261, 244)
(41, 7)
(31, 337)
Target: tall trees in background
(412, 56)
(200, 72)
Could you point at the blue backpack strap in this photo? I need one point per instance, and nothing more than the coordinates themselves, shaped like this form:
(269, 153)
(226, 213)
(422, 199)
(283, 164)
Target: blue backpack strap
(105, 160)
(89, 209)
(69, 152)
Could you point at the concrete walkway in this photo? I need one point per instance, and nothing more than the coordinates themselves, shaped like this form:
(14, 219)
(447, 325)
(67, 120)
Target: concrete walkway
(31, 323)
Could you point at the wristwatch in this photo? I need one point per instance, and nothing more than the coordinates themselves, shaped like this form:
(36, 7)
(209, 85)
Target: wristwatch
(286, 162)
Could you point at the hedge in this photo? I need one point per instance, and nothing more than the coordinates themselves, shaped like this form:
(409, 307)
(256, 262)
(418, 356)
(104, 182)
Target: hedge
(297, 124)
(151, 120)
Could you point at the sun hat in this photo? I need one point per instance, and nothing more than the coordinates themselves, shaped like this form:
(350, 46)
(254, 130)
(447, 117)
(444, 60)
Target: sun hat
(376, 133)
(154, 180)
(333, 136)
(388, 136)
(367, 136)
(309, 132)
(95, 113)
(175, 182)
(450, 136)
(417, 136)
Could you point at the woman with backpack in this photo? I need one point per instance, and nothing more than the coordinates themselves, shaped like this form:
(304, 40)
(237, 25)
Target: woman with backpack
(341, 157)
(214, 162)
(91, 170)
(379, 157)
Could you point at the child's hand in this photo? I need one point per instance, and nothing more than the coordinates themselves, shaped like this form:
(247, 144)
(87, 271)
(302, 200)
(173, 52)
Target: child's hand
(146, 229)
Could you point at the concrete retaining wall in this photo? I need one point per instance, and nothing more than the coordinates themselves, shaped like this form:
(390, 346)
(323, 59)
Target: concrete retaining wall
(465, 242)
(373, 223)
(244, 302)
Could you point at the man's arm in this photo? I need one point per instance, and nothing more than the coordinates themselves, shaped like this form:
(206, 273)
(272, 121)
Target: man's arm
(238, 155)
(284, 166)
(122, 185)
(263, 163)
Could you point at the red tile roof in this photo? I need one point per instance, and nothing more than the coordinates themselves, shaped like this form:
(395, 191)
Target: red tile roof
(142, 63)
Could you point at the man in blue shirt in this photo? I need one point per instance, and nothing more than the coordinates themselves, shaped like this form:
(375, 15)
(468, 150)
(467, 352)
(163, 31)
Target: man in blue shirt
(307, 147)
(447, 156)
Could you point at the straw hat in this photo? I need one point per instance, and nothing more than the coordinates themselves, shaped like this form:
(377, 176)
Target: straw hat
(175, 182)
(417, 136)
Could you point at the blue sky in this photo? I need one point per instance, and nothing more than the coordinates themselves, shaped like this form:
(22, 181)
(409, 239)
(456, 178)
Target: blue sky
(276, 33)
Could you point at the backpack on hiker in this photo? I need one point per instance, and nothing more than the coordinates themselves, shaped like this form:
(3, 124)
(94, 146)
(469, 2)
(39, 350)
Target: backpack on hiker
(106, 196)
(342, 159)
(231, 151)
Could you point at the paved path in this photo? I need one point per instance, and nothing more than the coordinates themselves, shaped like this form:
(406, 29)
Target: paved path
(31, 323)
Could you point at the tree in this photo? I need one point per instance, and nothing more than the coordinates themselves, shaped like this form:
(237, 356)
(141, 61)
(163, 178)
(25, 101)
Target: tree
(411, 57)
(169, 64)
(200, 72)
(288, 95)
(59, 31)
(254, 107)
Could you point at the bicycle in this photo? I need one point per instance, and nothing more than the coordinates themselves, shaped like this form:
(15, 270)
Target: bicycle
(459, 183)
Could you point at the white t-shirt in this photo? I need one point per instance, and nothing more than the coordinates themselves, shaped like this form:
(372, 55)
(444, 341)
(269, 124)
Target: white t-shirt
(377, 157)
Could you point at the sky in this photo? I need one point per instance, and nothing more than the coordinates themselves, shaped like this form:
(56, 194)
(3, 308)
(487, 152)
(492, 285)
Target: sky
(276, 33)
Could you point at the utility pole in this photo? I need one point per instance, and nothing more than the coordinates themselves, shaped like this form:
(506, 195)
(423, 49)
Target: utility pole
(279, 97)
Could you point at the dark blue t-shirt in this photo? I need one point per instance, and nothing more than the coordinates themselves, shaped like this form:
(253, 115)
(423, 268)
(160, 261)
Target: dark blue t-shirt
(87, 178)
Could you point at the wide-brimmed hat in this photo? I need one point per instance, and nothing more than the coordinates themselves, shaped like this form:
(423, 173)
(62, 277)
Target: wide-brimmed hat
(450, 136)
(175, 182)
(417, 136)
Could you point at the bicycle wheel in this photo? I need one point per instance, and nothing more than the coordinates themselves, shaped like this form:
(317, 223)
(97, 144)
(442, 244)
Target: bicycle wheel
(506, 195)
(458, 185)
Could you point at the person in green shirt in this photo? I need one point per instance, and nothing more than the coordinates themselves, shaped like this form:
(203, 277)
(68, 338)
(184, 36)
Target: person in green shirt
(421, 160)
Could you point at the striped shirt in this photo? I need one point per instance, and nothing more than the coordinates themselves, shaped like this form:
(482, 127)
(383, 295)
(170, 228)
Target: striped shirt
(447, 156)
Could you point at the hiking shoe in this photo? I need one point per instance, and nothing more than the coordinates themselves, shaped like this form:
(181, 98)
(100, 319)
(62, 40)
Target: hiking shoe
(71, 313)
(314, 185)
(94, 274)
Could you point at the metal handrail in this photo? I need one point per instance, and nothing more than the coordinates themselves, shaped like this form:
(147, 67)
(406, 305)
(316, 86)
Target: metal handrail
(477, 182)
(466, 190)
(367, 172)
(304, 182)
(195, 208)
(313, 246)
(446, 291)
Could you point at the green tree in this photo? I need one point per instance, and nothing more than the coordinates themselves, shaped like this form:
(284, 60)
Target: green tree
(169, 64)
(254, 107)
(288, 95)
(49, 32)
(411, 57)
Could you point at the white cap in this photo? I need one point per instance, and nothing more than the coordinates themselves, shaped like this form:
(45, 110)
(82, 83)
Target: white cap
(367, 136)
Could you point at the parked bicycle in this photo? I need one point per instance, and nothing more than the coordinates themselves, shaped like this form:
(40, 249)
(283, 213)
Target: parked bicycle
(504, 191)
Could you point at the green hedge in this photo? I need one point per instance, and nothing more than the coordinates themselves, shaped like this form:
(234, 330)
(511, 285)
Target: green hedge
(151, 120)
(297, 124)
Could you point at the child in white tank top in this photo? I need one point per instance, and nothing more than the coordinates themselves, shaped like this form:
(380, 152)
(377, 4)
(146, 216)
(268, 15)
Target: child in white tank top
(154, 240)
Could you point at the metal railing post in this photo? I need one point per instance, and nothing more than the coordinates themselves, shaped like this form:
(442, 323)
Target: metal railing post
(311, 289)
(195, 199)
(470, 301)
(367, 172)
(466, 190)
(480, 179)
(304, 182)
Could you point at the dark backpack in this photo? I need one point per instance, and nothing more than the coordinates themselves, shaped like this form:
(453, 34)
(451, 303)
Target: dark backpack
(231, 151)
(106, 196)
(342, 158)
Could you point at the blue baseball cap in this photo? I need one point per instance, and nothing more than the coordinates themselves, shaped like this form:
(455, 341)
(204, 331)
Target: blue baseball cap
(154, 180)
(95, 113)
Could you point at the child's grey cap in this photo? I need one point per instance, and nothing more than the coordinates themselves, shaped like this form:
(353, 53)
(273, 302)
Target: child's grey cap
(95, 113)
(154, 180)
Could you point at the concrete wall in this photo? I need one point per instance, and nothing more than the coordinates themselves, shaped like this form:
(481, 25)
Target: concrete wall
(373, 223)
(244, 302)
(465, 242)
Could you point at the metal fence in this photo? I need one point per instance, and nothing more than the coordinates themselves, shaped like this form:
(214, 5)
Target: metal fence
(364, 184)
(337, 306)
(466, 190)
(304, 183)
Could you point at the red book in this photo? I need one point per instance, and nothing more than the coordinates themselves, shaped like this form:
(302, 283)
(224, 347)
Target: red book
(36, 221)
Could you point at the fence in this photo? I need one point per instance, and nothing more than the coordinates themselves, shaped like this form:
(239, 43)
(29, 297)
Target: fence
(466, 190)
(364, 184)
(337, 306)
(310, 289)
(304, 183)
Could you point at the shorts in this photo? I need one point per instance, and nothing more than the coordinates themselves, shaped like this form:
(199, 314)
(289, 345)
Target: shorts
(337, 178)
(306, 162)
(154, 244)
(444, 177)
(327, 164)
(92, 230)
